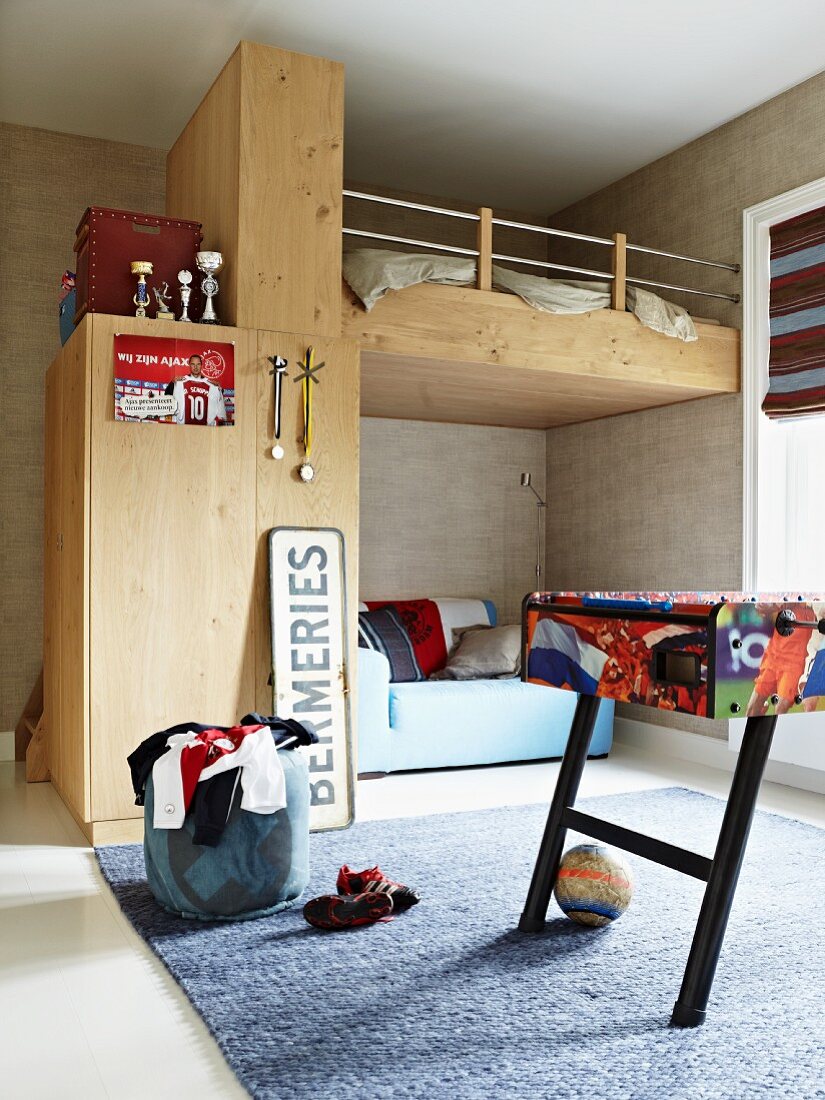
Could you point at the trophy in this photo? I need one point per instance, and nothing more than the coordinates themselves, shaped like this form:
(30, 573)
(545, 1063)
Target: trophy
(141, 268)
(185, 291)
(163, 298)
(209, 263)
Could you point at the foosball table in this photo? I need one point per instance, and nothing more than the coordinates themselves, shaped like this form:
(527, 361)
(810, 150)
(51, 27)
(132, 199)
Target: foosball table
(714, 655)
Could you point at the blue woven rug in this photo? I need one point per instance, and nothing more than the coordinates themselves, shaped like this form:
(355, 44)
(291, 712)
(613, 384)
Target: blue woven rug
(449, 1001)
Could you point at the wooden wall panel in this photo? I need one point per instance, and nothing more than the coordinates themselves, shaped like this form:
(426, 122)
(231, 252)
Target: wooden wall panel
(74, 565)
(261, 165)
(332, 499)
(202, 181)
(291, 171)
(172, 567)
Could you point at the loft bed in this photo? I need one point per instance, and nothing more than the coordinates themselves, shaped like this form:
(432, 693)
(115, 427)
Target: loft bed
(468, 340)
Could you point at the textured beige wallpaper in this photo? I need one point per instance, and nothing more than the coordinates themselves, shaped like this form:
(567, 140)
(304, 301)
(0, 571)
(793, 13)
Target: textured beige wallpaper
(46, 182)
(650, 500)
(647, 500)
(443, 512)
(691, 200)
(654, 499)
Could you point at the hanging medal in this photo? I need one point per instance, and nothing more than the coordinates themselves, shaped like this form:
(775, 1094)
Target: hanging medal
(279, 374)
(306, 471)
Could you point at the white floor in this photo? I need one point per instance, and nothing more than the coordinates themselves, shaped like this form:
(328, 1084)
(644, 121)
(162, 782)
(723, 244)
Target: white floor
(86, 1010)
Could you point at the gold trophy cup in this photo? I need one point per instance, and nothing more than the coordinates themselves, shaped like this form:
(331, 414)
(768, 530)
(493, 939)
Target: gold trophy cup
(141, 268)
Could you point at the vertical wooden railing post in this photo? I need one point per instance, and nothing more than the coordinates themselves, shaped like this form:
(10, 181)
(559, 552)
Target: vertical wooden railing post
(618, 295)
(484, 277)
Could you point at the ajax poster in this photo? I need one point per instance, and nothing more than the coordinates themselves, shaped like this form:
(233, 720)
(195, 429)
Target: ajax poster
(166, 381)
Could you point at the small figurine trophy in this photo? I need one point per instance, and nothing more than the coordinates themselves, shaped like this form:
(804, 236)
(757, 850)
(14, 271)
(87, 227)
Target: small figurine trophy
(209, 263)
(141, 268)
(163, 298)
(185, 291)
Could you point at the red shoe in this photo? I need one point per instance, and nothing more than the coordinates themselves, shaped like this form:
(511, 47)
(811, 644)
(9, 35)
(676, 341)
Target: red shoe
(352, 882)
(373, 880)
(332, 912)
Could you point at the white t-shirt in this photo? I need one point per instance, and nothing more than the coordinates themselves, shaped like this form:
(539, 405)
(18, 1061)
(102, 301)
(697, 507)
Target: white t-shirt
(199, 401)
(261, 774)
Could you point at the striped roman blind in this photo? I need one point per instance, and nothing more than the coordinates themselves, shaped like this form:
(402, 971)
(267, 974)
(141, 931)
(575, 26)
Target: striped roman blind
(796, 366)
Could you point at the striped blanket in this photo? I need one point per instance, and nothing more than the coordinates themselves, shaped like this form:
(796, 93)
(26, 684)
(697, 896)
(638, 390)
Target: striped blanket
(797, 314)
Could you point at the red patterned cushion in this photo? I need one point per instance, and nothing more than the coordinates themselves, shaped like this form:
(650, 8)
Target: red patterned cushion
(422, 621)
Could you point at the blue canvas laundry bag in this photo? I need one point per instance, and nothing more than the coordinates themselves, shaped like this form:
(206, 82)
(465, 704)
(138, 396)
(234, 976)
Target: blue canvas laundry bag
(259, 866)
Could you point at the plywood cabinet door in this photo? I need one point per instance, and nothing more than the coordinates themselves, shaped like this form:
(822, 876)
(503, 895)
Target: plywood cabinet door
(171, 567)
(331, 499)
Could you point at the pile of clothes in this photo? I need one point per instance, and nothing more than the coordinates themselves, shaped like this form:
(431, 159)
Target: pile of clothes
(198, 769)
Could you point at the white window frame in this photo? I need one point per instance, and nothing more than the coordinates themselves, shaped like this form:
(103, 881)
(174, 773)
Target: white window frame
(799, 740)
(756, 224)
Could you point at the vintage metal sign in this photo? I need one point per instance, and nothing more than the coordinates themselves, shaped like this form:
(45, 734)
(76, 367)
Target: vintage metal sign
(308, 605)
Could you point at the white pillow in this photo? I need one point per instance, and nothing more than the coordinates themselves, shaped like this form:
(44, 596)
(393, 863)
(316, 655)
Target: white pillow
(484, 653)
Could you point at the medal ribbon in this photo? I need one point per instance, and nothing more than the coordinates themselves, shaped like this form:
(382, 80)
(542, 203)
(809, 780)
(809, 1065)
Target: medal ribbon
(278, 373)
(306, 387)
(277, 404)
(278, 370)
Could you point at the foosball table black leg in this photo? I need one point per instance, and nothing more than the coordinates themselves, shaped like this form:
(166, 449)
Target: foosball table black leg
(691, 1006)
(550, 851)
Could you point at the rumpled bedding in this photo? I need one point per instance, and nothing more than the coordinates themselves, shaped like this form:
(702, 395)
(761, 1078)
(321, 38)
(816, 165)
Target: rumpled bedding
(372, 272)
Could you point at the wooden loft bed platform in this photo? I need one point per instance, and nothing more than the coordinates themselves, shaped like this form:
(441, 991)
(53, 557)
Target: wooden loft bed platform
(480, 357)
(477, 356)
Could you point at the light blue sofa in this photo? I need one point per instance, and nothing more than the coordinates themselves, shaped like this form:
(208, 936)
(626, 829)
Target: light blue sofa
(454, 723)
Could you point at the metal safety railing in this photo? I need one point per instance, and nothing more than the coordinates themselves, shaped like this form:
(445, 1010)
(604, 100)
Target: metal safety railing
(485, 223)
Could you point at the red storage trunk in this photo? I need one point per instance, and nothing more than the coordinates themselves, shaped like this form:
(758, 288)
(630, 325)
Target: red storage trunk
(107, 243)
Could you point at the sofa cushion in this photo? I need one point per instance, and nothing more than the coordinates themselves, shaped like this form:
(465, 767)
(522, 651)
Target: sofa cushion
(483, 653)
(383, 630)
(430, 624)
(452, 723)
(458, 704)
(423, 625)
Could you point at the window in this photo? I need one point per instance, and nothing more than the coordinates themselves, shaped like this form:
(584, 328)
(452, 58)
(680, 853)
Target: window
(784, 461)
(784, 468)
(791, 506)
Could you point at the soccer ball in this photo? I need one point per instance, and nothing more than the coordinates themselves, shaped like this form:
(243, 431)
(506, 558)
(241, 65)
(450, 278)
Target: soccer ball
(595, 884)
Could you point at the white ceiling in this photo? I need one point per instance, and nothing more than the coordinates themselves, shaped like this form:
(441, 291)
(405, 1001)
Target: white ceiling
(522, 103)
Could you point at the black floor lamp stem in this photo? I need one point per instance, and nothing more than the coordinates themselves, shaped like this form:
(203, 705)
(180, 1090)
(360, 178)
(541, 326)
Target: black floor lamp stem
(526, 481)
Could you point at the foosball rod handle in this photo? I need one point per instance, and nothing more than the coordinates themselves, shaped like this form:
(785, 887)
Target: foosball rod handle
(787, 623)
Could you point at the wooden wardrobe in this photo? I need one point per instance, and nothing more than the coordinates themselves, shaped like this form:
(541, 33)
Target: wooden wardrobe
(156, 582)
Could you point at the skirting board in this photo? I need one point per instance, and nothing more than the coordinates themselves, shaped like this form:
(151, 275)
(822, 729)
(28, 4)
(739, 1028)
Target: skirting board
(6, 745)
(124, 831)
(710, 751)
